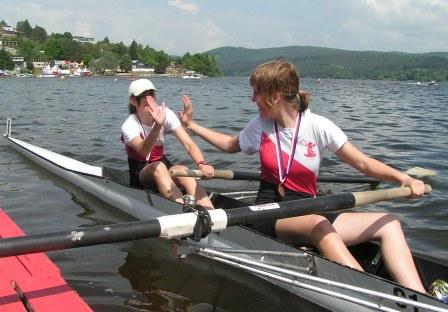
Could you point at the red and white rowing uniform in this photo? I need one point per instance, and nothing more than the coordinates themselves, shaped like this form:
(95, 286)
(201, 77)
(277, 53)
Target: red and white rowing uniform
(132, 128)
(315, 134)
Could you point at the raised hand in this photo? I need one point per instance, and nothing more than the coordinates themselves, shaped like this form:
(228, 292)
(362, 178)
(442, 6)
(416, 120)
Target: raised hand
(186, 117)
(158, 112)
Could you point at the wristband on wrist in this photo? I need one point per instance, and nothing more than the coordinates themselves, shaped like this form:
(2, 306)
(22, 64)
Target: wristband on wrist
(202, 162)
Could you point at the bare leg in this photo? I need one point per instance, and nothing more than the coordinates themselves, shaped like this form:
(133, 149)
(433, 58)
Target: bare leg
(355, 228)
(318, 231)
(193, 187)
(158, 172)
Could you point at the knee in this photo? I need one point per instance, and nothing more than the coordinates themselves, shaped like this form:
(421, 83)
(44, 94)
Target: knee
(320, 228)
(391, 227)
(160, 170)
(186, 182)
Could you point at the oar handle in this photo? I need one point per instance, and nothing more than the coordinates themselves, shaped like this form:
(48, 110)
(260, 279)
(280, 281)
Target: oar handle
(368, 197)
(185, 172)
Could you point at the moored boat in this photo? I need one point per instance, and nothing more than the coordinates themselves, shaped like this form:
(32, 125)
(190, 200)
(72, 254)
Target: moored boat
(302, 273)
(191, 75)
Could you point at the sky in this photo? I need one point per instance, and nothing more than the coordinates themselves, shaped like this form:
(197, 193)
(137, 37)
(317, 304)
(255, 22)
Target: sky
(195, 26)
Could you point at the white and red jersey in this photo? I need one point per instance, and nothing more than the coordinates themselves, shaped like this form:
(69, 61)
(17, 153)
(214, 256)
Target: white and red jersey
(316, 134)
(132, 128)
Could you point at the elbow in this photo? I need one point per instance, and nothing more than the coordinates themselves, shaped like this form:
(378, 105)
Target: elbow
(232, 149)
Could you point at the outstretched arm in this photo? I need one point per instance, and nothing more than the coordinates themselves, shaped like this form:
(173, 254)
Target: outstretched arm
(226, 143)
(376, 169)
(194, 151)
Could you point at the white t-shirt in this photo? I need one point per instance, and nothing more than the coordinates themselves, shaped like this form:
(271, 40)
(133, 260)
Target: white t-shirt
(132, 128)
(316, 134)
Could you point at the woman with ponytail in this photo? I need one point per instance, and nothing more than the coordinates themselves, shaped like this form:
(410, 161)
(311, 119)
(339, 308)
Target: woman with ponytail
(291, 140)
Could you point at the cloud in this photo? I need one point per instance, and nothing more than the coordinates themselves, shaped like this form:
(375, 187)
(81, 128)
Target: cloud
(384, 25)
(190, 8)
(398, 25)
(424, 13)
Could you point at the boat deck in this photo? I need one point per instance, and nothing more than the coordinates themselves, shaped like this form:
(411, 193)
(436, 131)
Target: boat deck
(32, 282)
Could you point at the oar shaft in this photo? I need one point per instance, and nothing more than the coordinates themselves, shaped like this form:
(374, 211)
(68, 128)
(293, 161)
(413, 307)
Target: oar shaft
(281, 210)
(250, 214)
(79, 238)
(255, 176)
(366, 180)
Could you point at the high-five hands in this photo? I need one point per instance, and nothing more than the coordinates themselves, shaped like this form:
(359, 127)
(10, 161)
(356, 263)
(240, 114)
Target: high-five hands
(158, 112)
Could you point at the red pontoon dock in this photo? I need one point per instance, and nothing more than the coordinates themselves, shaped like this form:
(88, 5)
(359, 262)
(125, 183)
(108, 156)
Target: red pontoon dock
(32, 282)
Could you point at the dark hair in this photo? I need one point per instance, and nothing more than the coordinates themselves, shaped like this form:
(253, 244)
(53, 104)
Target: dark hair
(279, 76)
(131, 108)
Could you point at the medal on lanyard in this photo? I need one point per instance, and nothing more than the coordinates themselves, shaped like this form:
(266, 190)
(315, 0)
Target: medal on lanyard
(282, 171)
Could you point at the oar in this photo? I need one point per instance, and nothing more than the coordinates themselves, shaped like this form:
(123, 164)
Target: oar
(182, 225)
(255, 176)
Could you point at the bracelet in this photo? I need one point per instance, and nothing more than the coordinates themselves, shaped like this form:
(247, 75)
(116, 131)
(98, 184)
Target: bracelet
(202, 162)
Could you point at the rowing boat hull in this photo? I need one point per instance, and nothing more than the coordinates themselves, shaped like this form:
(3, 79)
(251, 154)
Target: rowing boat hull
(144, 205)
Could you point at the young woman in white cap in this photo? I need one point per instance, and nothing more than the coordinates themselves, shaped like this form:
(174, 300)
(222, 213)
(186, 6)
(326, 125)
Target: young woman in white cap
(143, 136)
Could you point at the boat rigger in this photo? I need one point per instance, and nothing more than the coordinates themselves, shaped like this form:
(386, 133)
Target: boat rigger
(32, 282)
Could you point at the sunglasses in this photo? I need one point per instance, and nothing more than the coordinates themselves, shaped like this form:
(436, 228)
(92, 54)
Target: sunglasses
(146, 93)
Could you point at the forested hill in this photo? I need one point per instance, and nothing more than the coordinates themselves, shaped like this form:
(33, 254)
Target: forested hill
(335, 63)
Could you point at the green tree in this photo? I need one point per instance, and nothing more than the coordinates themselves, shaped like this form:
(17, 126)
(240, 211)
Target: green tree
(6, 61)
(201, 63)
(162, 61)
(133, 50)
(29, 66)
(89, 52)
(24, 27)
(53, 48)
(107, 62)
(71, 50)
(3, 23)
(27, 48)
(120, 49)
(126, 64)
(149, 56)
(38, 34)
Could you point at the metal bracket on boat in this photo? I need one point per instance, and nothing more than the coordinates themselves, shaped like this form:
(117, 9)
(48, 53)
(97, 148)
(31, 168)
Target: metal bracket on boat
(182, 249)
(203, 225)
(189, 203)
(8, 127)
(311, 264)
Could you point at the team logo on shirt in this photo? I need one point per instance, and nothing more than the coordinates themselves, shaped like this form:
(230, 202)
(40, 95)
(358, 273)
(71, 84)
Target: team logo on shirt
(310, 153)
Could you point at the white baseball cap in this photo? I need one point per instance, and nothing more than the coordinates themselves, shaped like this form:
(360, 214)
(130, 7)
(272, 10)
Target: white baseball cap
(139, 86)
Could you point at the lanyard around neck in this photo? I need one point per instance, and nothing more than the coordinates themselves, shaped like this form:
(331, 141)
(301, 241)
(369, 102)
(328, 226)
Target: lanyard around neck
(141, 126)
(144, 136)
(282, 172)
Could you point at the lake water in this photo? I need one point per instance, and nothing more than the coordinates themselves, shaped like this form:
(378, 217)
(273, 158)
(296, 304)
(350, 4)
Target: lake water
(397, 122)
